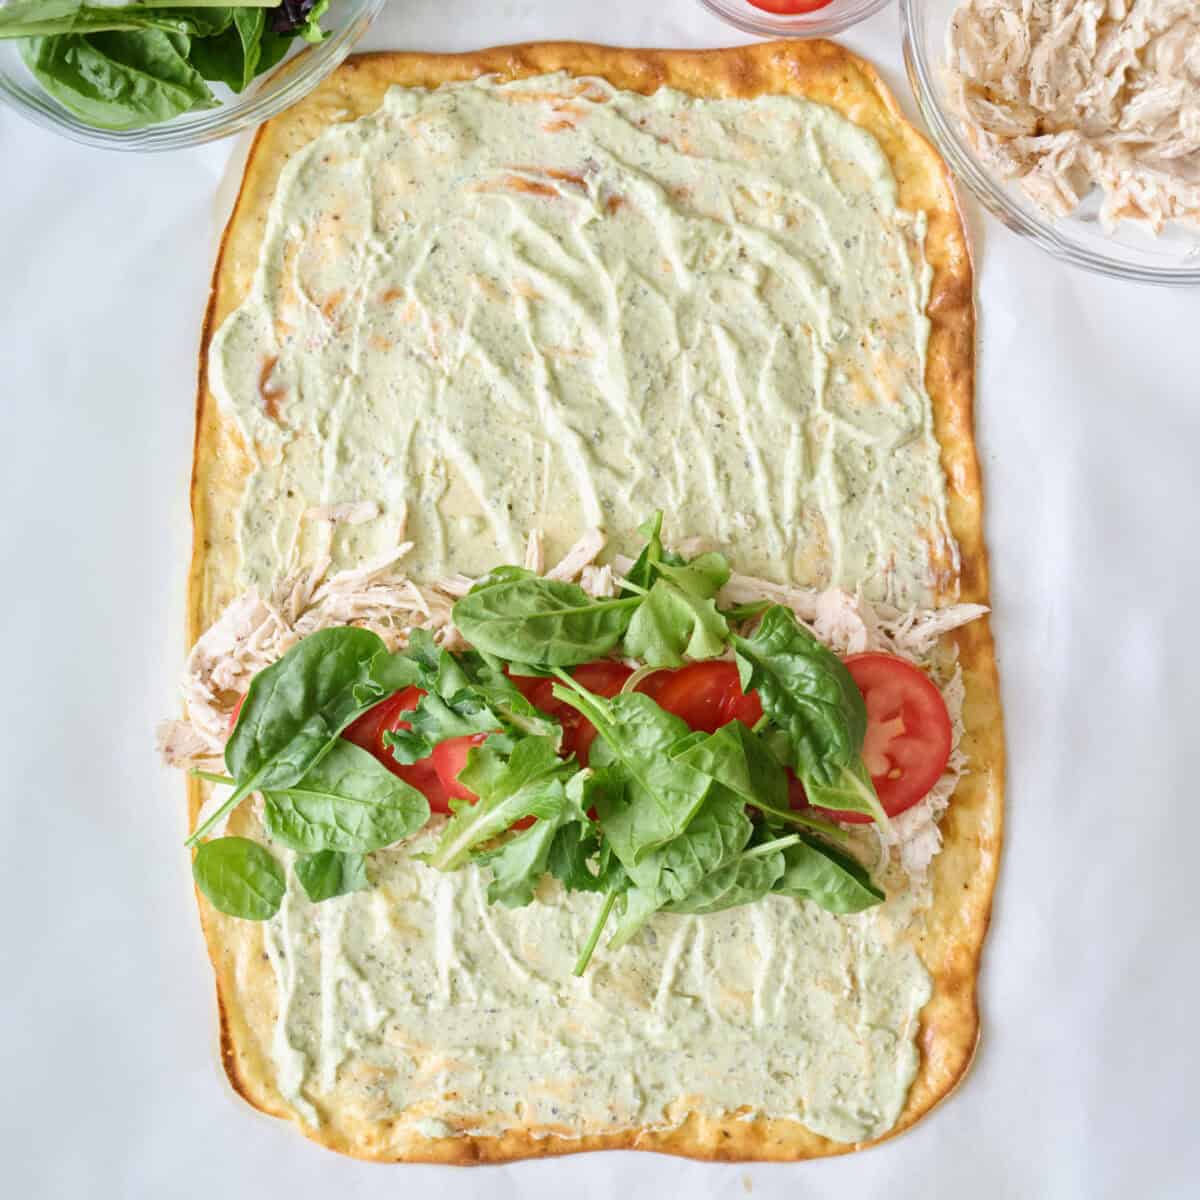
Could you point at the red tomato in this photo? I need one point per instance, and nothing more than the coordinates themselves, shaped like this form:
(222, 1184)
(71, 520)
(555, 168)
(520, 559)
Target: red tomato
(789, 7)
(449, 758)
(368, 730)
(909, 736)
(604, 678)
(707, 695)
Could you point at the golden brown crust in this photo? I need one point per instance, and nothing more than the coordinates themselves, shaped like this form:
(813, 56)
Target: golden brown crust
(963, 875)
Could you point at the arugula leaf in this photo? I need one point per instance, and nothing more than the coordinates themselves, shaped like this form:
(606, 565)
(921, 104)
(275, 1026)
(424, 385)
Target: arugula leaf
(529, 619)
(348, 801)
(528, 782)
(464, 694)
(816, 708)
(817, 871)
(329, 873)
(294, 712)
(239, 877)
(660, 795)
(119, 79)
(520, 863)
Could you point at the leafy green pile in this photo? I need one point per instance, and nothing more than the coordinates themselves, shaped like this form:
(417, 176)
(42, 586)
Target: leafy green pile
(126, 66)
(664, 818)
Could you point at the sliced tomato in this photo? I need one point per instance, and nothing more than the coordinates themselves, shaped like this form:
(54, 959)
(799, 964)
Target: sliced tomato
(789, 7)
(368, 730)
(909, 736)
(449, 758)
(603, 677)
(707, 695)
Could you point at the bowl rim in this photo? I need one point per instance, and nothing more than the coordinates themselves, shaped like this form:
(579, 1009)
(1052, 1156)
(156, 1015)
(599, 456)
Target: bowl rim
(819, 23)
(993, 195)
(302, 72)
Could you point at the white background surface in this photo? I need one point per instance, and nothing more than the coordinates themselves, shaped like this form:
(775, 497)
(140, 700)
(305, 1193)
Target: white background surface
(1089, 428)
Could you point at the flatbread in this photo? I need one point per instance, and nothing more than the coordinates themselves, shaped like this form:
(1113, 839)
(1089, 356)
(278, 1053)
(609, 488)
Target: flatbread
(962, 875)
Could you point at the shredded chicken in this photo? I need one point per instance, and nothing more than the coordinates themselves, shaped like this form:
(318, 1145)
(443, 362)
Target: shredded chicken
(1067, 95)
(254, 631)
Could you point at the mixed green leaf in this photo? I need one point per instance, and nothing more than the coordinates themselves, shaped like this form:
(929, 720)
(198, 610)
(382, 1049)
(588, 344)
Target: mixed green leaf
(125, 66)
(663, 818)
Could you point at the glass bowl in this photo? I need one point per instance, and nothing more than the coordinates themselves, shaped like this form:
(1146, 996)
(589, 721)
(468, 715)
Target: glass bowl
(1173, 257)
(304, 67)
(833, 18)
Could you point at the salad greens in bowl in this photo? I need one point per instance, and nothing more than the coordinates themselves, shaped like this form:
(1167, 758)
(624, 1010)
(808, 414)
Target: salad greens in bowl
(168, 73)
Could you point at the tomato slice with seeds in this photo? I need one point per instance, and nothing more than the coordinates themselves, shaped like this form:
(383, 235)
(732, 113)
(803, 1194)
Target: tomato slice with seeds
(909, 736)
(707, 695)
(367, 732)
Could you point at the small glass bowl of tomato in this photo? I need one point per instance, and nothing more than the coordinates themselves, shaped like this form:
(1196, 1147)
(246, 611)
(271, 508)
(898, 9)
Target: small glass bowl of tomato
(793, 18)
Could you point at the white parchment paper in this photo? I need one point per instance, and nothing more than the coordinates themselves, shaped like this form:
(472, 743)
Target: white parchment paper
(1089, 429)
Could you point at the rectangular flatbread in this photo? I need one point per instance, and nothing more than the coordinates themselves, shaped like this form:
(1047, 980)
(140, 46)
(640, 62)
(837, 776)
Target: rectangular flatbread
(351, 1116)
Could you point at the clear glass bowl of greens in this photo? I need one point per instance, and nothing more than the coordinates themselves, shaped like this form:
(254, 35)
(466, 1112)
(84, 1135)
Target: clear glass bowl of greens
(159, 76)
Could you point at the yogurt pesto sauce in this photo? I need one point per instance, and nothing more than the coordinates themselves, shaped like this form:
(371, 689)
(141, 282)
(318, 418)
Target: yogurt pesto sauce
(549, 303)
(419, 1000)
(552, 304)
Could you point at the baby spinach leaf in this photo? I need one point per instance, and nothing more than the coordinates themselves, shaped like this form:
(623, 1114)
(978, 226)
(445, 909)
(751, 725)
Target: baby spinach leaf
(815, 870)
(737, 758)
(744, 612)
(644, 570)
(542, 621)
(348, 801)
(232, 56)
(43, 18)
(294, 711)
(672, 623)
(742, 881)
(671, 873)
(239, 877)
(528, 781)
(660, 795)
(817, 711)
(119, 79)
(330, 873)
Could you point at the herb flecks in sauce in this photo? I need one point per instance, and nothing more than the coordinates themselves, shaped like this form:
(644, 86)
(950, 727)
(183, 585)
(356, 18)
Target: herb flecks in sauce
(715, 308)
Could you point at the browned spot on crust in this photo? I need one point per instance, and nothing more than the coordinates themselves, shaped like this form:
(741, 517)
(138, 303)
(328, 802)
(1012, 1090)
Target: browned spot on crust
(270, 395)
(614, 203)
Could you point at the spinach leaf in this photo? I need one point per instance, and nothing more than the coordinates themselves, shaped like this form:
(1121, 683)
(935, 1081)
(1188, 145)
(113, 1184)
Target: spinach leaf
(524, 781)
(746, 879)
(672, 873)
(44, 18)
(294, 711)
(239, 877)
(738, 759)
(542, 621)
(679, 616)
(232, 56)
(816, 708)
(329, 873)
(817, 871)
(644, 570)
(660, 795)
(119, 79)
(300, 18)
(348, 801)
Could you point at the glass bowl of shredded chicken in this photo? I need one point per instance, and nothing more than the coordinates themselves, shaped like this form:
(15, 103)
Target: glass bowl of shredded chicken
(1076, 122)
(134, 75)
